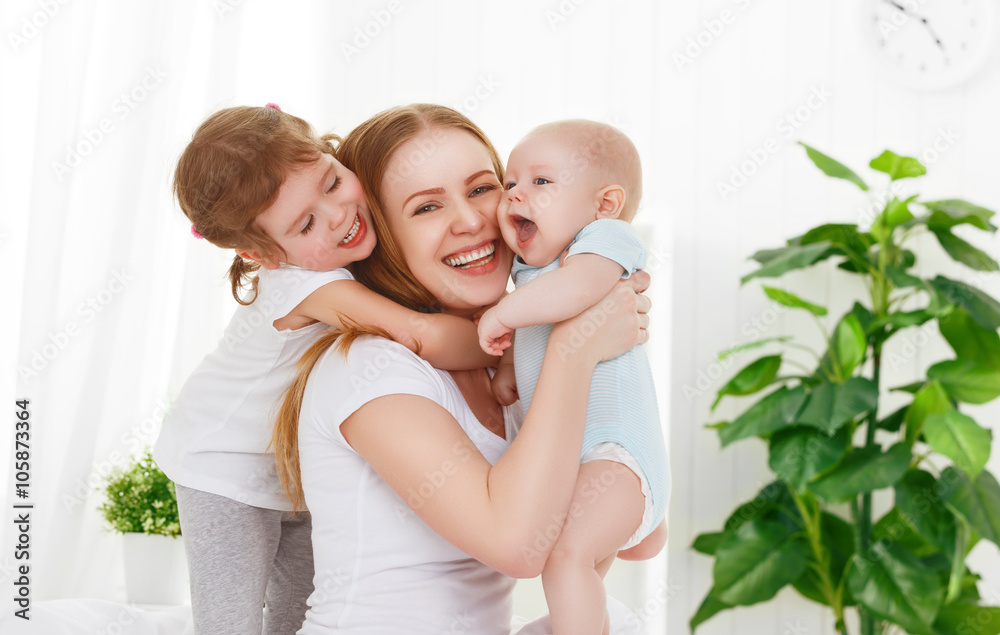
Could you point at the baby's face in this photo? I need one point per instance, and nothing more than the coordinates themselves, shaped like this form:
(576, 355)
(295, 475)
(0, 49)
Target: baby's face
(550, 195)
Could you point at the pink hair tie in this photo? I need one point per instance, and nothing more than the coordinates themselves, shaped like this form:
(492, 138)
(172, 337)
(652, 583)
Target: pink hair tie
(195, 232)
(272, 105)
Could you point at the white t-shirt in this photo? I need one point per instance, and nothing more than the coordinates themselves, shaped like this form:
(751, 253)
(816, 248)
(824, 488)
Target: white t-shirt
(215, 436)
(379, 568)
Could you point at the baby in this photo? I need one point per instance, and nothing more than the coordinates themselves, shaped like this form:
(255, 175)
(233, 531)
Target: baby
(572, 188)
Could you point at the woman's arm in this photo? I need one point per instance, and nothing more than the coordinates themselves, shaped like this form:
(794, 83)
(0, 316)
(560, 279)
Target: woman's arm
(506, 515)
(552, 297)
(446, 341)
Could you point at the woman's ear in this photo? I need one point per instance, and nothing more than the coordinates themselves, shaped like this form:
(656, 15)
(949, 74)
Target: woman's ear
(259, 258)
(610, 201)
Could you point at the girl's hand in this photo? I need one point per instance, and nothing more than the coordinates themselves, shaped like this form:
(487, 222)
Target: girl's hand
(609, 328)
(494, 337)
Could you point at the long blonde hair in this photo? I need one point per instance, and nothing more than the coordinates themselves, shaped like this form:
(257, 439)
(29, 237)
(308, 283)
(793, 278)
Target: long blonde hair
(366, 151)
(231, 172)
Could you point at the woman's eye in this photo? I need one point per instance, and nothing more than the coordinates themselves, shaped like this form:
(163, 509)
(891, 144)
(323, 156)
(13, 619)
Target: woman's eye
(541, 181)
(426, 208)
(482, 189)
(334, 185)
(309, 225)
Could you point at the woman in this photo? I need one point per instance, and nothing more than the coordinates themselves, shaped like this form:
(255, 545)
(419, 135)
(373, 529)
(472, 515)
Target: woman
(408, 471)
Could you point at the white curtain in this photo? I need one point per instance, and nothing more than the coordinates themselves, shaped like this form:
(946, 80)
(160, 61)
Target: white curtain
(110, 303)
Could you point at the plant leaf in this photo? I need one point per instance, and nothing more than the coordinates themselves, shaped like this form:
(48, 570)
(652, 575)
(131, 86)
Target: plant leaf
(773, 496)
(800, 453)
(966, 381)
(753, 564)
(984, 309)
(896, 166)
(969, 340)
(894, 422)
(749, 345)
(837, 539)
(752, 378)
(863, 470)
(830, 406)
(947, 213)
(931, 399)
(895, 528)
(849, 344)
(918, 500)
(895, 586)
(959, 438)
(977, 501)
(772, 413)
(707, 543)
(834, 168)
(966, 618)
(965, 253)
(710, 606)
(793, 301)
(787, 259)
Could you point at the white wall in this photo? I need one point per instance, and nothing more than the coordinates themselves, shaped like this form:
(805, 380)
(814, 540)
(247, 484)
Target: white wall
(763, 67)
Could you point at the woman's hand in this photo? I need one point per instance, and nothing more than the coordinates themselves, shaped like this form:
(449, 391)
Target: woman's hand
(609, 328)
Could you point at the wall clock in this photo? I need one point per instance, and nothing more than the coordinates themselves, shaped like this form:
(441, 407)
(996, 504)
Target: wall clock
(930, 44)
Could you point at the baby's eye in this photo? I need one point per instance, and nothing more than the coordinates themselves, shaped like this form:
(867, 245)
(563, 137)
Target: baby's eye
(309, 225)
(509, 185)
(541, 181)
(334, 185)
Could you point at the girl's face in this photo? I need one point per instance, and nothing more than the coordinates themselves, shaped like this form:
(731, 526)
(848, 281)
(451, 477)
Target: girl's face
(320, 218)
(440, 197)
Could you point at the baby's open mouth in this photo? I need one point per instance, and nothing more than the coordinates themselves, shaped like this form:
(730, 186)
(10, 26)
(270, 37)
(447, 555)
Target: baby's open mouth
(525, 228)
(474, 258)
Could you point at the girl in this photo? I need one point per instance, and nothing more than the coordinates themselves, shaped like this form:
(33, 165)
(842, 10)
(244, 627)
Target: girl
(423, 502)
(260, 182)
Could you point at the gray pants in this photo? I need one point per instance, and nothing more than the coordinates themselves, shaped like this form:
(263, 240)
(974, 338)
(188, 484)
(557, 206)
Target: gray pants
(241, 558)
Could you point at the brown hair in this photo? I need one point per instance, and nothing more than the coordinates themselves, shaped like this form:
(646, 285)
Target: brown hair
(366, 151)
(231, 172)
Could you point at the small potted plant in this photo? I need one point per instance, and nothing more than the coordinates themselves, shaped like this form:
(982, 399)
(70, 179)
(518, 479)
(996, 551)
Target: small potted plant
(142, 506)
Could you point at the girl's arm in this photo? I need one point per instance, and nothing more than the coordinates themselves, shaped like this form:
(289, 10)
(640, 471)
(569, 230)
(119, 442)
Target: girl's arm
(552, 297)
(446, 341)
(506, 514)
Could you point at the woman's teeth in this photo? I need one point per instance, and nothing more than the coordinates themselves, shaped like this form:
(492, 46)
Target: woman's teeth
(472, 258)
(354, 230)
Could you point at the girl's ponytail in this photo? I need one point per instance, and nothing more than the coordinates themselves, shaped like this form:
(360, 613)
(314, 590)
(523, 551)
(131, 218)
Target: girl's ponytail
(241, 273)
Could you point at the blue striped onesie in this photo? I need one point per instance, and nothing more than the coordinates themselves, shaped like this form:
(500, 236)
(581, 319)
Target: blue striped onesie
(622, 407)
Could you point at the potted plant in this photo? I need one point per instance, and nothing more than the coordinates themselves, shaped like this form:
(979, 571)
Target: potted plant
(831, 445)
(142, 506)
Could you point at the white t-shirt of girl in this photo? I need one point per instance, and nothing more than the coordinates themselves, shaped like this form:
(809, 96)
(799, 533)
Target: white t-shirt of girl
(216, 434)
(379, 568)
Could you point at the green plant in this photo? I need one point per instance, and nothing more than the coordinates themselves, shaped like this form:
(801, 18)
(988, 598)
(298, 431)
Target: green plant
(141, 499)
(829, 449)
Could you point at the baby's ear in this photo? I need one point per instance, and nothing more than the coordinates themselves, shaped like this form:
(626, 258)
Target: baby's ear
(261, 259)
(610, 201)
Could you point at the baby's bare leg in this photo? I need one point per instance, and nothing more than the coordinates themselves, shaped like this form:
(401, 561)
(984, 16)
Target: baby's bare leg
(606, 510)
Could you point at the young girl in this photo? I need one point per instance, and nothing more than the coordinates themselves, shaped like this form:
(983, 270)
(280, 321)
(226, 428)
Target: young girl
(572, 187)
(260, 182)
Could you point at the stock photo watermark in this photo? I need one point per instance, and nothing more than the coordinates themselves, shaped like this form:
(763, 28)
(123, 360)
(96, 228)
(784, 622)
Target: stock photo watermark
(59, 340)
(787, 126)
(93, 137)
(711, 30)
(365, 34)
(33, 24)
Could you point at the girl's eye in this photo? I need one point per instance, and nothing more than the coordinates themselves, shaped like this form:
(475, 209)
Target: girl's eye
(482, 189)
(541, 181)
(334, 186)
(309, 225)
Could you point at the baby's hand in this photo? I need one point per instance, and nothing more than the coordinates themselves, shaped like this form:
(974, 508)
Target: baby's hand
(504, 385)
(494, 337)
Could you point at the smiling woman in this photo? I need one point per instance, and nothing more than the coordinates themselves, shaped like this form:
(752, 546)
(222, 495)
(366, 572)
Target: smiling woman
(423, 502)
